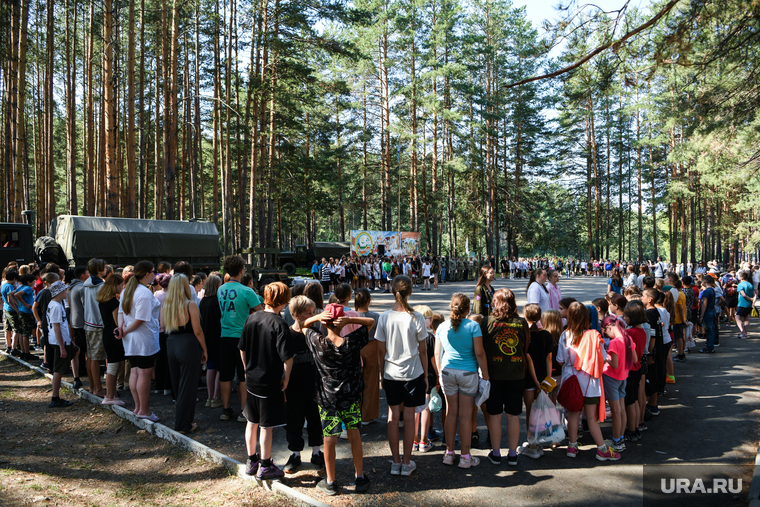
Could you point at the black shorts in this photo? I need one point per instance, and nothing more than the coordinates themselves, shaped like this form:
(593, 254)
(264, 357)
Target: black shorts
(678, 330)
(267, 412)
(506, 396)
(410, 393)
(142, 362)
(61, 365)
(743, 312)
(230, 361)
(632, 387)
(80, 339)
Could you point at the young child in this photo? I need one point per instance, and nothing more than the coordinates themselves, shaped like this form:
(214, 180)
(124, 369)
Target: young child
(300, 405)
(64, 350)
(24, 297)
(10, 311)
(620, 360)
(268, 359)
(656, 358)
(370, 363)
(540, 351)
(39, 310)
(423, 420)
(339, 384)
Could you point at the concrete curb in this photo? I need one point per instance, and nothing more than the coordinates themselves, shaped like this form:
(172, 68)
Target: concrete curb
(180, 440)
(754, 489)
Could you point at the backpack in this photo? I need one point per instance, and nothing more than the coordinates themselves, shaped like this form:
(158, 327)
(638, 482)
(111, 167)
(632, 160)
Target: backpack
(730, 289)
(570, 395)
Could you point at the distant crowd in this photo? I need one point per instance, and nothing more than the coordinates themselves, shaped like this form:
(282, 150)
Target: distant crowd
(316, 353)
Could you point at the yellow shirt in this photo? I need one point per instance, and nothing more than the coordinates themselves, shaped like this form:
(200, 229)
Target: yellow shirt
(682, 303)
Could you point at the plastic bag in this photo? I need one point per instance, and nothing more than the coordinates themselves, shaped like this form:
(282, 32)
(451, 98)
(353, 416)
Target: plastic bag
(436, 403)
(754, 312)
(484, 392)
(545, 422)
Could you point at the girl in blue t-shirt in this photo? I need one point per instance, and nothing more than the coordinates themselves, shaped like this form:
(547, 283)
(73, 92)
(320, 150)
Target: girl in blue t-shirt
(746, 300)
(24, 296)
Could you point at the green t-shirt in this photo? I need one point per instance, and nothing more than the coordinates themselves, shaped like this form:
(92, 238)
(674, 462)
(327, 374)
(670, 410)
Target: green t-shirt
(236, 302)
(387, 267)
(506, 344)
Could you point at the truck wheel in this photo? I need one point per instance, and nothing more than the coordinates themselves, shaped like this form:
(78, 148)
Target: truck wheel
(289, 268)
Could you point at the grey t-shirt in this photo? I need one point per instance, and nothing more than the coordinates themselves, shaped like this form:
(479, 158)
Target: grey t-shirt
(373, 316)
(76, 303)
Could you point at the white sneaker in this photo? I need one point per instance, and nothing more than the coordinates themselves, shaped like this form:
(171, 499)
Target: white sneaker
(395, 468)
(472, 461)
(406, 470)
(531, 452)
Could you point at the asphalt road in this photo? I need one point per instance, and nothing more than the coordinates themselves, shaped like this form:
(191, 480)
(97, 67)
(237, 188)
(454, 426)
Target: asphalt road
(709, 416)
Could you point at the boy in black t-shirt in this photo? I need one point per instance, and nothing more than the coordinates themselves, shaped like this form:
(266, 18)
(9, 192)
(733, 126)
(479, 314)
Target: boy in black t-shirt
(265, 350)
(339, 384)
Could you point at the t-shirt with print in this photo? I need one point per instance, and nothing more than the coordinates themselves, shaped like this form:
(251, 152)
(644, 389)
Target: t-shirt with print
(401, 332)
(655, 323)
(266, 342)
(56, 314)
(339, 379)
(541, 345)
(457, 345)
(27, 296)
(748, 290)
(506, 344)
(303, 374)
(617, 347)
(236, 302)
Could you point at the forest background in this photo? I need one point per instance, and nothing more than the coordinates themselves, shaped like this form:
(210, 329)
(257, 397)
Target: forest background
(296, 121)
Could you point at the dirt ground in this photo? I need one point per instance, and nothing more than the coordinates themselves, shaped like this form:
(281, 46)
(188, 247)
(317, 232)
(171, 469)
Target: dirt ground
(86, 456)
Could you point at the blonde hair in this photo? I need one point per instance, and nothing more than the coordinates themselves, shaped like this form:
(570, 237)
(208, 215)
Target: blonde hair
(174, 307)
(108, 290)
(551, 321)
(424, 310)
(300, 304)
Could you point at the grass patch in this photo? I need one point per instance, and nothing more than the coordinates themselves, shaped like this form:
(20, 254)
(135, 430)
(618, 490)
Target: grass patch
(129, 489)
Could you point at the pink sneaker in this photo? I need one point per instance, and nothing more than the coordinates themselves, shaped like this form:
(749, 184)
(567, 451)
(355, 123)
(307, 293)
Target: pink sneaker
(607, 454)
(572, 451)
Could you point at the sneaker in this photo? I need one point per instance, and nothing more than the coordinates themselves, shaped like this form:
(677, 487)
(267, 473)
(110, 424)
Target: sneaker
(361, 484)
(241, 418)
(16, 352)
(448, 459)
(531, 452)
(318, 460)
(607, 454)
(670, 380)
(292, 465)
(251, 467)
(639, 434)
(208, 402)
(46, 367)
(717, 343)
(269, 473)
(59, 403)
(496, 460)
(512, 460)
(167, 392)
(743, 337)
(416, 446)
(475, 440)
(631, 436)
(653, 410)
(216, 403)
(396, 468)
(617, 446)
(472, 461)
(77, 384)
(406, 470)
(706, 350)
(227, 414)
(327, 488)
(426, 446)
(433, 435)
(572, 451)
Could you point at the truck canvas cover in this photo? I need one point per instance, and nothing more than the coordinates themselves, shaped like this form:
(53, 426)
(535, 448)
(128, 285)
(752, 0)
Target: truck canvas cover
(128, 240)
(331, 249)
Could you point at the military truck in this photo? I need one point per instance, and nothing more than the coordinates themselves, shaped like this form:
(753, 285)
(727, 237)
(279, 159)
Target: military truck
(123, 241)
(303, 257)
(16, 244)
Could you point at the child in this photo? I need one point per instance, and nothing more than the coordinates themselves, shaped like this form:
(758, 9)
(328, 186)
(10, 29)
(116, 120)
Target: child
(656, 357)
(64, 350)
(39, 310)
(370, 363)
(268, 359)
(635, 316)
(540, 351)
(24, 297)
(299, 397)
(10, 311)
(339, 383)
(620, 360)
(422, 420)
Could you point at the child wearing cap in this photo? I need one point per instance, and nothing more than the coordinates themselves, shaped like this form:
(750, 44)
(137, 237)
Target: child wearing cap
(339, 384)
(58, 335)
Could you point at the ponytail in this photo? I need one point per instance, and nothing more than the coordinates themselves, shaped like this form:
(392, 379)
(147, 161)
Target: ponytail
(141, 269)
(401, 287)
(532, 279)
(460, 308)
(611, 320)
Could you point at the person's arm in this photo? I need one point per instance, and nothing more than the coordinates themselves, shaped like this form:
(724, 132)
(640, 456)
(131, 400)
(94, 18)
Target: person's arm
(609, 288)
(288, 367)
(195, 319)
(422, 347)
(381, 351)
(12, 301)
(59, 338)
(612, 359)
(480, 355)
(36, 312)
(362, 321)
(321, 317)
(123, 331)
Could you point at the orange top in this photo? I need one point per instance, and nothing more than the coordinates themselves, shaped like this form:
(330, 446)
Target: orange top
(590, 359)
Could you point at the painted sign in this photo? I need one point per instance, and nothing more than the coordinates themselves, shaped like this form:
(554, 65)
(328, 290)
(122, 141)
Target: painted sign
(365, 243)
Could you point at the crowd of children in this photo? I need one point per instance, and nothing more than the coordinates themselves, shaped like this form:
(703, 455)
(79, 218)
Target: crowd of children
(300, 360)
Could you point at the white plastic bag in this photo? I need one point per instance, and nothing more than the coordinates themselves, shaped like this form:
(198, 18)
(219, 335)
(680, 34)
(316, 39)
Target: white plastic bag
(545, 422)
(484, 392)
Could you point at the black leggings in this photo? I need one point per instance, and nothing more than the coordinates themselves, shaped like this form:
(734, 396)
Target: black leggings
(184, 357)
(300, 406)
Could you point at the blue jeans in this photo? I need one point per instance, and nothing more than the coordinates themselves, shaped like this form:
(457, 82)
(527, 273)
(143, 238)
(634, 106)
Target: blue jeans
(443, 274)
(709, 322)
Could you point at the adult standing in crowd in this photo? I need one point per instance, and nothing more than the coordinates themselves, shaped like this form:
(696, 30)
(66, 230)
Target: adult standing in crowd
(555, 293)
(484, 292)
(538, 294)
(138, 327)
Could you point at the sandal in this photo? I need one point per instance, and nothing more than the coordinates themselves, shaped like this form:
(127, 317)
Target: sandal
(193, 427)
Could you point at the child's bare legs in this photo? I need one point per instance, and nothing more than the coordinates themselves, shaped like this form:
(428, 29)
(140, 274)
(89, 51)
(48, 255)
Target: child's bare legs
(450, 424)
(593, 424)
(529, 397)
(212, 384)
(573, 419)
(642, 399)
(330, 443)
(252, 440)
(56, 384)
(425, 420)
(25, 344)
(394, 413)
(75, 364)
(619, 418)
(354, 437)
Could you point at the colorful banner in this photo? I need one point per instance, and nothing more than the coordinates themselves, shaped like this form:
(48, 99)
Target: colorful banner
(364, 243)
